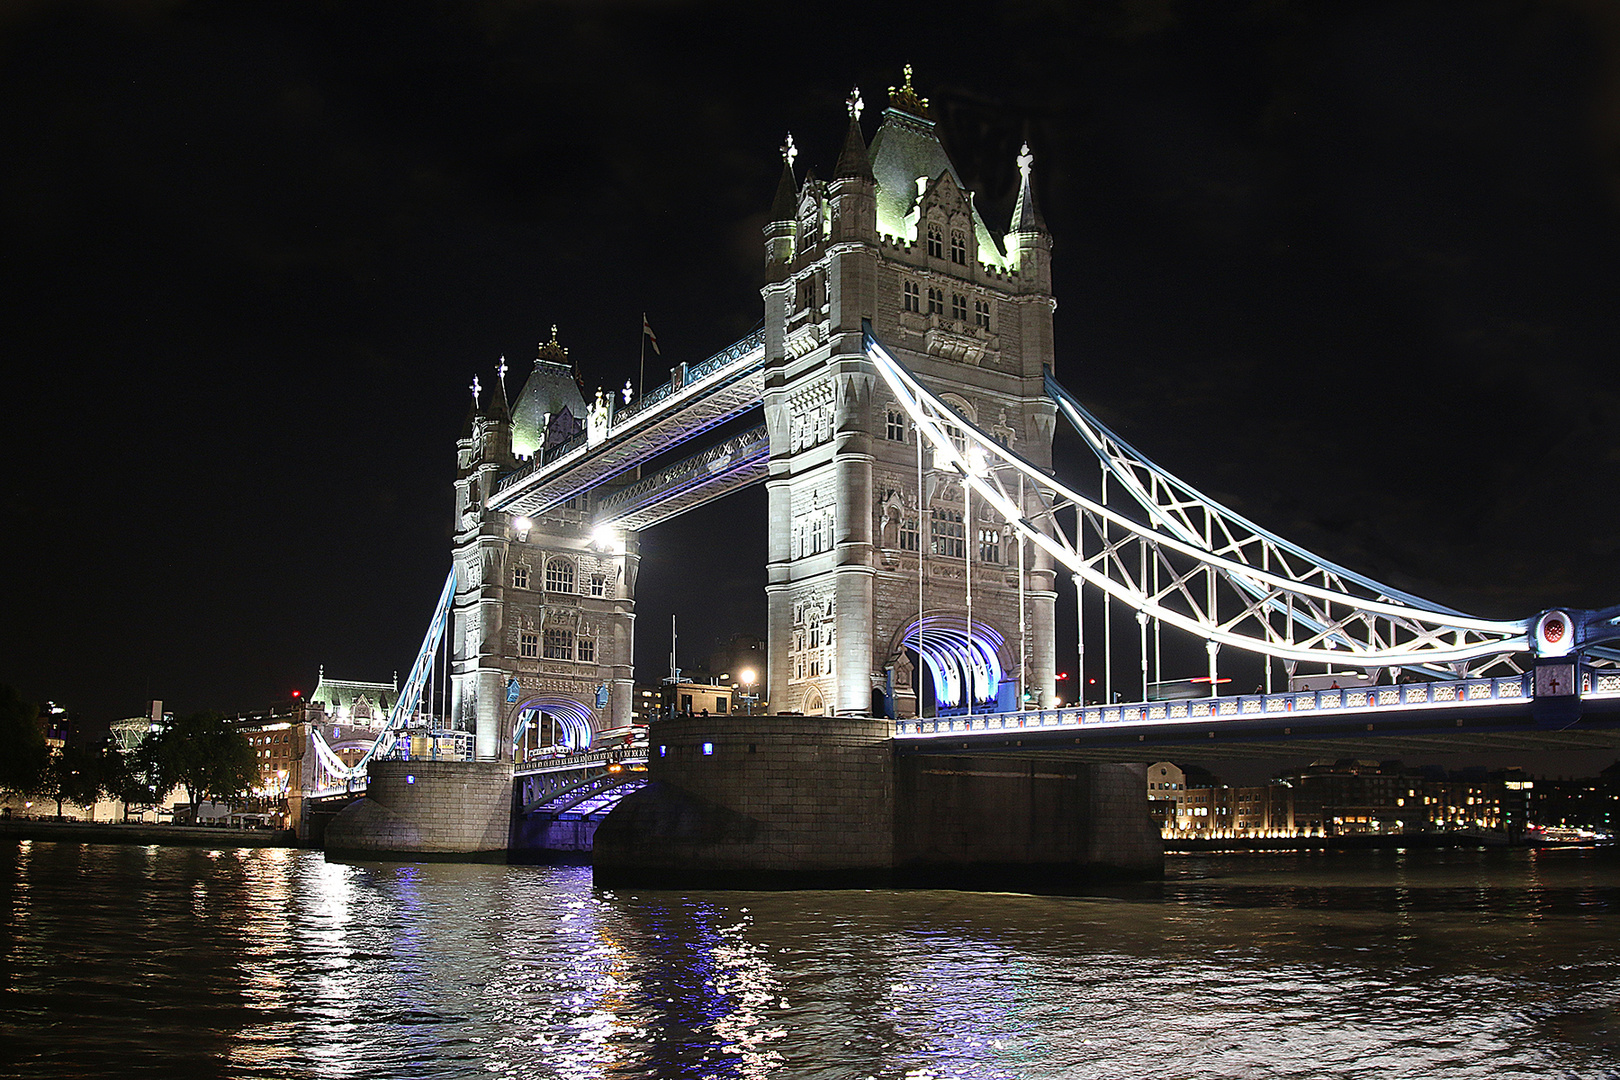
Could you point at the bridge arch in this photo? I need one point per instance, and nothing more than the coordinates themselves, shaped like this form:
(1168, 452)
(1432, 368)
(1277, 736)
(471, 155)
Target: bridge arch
(957, 662)
(550, 722)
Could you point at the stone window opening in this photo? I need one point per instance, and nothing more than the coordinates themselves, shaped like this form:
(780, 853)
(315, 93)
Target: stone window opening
(910, 537)
(936, 242)
(528, 645)
(948, 535)
(586, 649)
(981, 313)
(598, 584)
(959, 307)
(911, 297)
(520, 577)
(897, 426)
(936, 302)
(990, 545)
(958, 248)
(559, 644)
(560, 575)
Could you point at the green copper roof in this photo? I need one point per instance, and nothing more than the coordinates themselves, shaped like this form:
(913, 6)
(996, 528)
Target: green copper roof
(905, 149)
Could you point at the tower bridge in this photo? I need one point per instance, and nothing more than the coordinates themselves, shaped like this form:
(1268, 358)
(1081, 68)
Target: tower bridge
(908, 387)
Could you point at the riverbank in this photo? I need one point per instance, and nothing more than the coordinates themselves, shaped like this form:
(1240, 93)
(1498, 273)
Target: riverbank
(1360, 843)
(107, 832)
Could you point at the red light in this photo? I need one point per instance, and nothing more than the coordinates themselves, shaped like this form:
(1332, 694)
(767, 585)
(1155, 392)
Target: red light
(298, 693)
(1062, 675)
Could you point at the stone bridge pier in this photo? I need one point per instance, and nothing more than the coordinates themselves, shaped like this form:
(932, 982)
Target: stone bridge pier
(824, 802)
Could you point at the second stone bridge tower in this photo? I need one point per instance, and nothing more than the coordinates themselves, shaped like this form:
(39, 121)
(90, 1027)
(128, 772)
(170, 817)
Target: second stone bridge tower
(874, 551)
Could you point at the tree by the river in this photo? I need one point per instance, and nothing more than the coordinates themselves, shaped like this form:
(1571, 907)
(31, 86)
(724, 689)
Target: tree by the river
(202, 753)
(80, 773)
(23, 754)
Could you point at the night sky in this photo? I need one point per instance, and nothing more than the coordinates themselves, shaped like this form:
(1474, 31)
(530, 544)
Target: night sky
(1350, 268)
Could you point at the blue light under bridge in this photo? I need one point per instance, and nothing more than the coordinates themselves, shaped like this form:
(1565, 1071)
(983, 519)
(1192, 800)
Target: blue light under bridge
(951, 653)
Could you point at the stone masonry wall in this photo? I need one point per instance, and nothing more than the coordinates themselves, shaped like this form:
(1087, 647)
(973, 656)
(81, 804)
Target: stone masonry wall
(430, 810)
(778, 798)
(993, 821)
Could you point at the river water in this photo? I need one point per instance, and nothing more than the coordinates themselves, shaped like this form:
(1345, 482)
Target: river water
(178, 962)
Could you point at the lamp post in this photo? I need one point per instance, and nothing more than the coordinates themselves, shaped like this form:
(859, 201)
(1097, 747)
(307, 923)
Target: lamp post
(747, 677)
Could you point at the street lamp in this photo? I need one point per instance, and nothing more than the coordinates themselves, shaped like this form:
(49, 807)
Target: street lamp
(747, 677)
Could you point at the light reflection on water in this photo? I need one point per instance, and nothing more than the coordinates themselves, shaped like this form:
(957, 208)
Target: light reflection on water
(273, 963)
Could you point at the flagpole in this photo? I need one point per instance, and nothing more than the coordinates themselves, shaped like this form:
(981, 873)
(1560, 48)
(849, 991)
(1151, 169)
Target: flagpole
(641, 386)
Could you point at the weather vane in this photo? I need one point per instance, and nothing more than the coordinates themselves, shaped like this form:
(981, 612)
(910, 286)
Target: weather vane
(500, 372)
(789, 151)
(476, 389)
(1025, 160)
(855, 104)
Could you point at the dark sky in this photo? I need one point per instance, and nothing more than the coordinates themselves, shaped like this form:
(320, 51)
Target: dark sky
(1350, 267)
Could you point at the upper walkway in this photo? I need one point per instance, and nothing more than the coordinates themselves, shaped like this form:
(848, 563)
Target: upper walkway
(697, 398)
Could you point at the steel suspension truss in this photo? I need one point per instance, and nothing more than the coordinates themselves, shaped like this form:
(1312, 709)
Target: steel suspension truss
(1196, 566)
(405, 705)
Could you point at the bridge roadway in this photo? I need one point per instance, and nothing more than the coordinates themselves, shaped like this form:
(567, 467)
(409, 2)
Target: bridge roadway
(1464, 716)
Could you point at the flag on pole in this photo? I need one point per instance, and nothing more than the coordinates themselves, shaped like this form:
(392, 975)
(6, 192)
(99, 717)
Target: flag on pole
(646, 329)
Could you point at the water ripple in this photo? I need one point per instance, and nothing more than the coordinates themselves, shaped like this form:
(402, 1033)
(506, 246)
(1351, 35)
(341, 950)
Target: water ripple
(272, 963)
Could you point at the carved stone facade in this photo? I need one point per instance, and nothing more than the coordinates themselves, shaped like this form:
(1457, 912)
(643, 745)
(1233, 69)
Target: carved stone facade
(866, 540)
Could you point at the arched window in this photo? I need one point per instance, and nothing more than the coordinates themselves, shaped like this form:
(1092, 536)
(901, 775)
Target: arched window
(936, 302)
(959, 307)
(958, 248)
(912, 297)
(560, 575)
(936, 242)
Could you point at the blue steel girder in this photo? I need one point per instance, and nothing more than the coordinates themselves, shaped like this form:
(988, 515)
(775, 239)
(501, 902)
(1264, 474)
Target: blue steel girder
(724, 386)
(737, 463)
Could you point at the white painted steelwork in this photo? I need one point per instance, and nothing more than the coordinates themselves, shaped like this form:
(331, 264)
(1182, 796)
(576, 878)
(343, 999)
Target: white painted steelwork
(1193, 567)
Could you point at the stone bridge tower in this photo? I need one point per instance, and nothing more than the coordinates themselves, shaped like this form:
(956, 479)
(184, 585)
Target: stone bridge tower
(541, 631)
(870, 545)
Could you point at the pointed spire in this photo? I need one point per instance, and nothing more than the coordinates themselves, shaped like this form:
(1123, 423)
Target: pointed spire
(1026, 215)
(852, 159)
(499, 408)
(473, 411)
(907, 100)
(787, 192)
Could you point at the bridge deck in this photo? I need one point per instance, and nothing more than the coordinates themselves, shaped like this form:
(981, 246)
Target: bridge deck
(1476, 715)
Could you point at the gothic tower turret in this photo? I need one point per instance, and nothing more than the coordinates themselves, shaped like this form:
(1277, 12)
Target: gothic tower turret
(541, 639)
(871, 547)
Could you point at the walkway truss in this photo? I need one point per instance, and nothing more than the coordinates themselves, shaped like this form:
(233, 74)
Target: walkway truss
(1200, 568)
